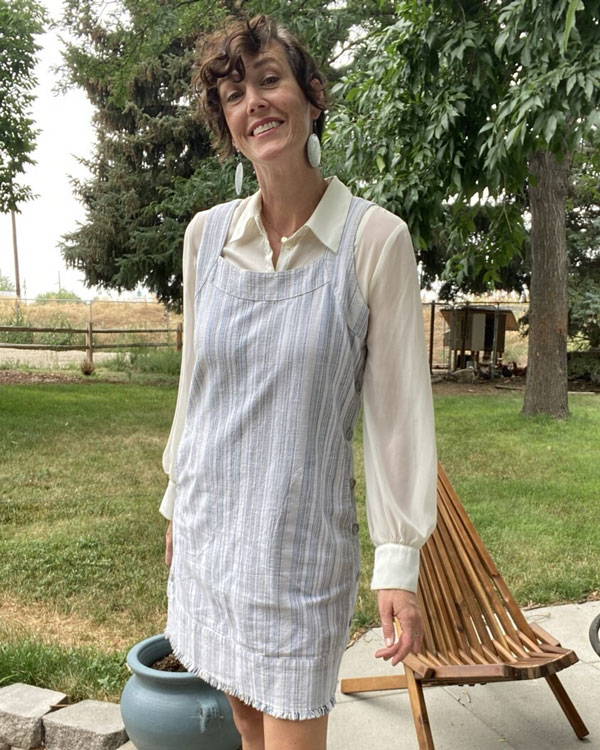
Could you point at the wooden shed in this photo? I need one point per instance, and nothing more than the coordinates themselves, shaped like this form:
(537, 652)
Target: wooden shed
(473, 329)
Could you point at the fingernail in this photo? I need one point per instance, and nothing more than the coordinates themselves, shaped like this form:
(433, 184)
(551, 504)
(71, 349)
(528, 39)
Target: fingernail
(389, 641)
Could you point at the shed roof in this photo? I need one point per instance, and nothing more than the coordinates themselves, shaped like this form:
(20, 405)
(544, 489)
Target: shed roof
(448, 313)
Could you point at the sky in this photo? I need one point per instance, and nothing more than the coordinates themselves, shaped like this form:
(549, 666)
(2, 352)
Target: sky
(65, 122)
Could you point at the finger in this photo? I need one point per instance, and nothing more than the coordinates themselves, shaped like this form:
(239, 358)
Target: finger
(389, 650)
(387, 626)
(408, 641)
(409, 637)
(400, 649)
(406, 646)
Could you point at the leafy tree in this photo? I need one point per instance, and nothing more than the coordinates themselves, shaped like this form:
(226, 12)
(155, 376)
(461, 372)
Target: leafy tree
(584, 311)
(63, 294)
(583, 240)
(6, 284)
(480, 106)
(20, 21)
(153, 167)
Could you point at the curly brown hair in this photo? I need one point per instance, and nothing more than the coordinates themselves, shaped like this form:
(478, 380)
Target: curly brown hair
(219, 54)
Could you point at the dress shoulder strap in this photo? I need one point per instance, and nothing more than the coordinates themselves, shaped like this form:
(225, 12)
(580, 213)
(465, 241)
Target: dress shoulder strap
(345, 278)
(213, 239)
(356, 210)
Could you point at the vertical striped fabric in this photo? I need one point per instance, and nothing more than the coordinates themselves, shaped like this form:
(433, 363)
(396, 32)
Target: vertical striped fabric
(266, 553)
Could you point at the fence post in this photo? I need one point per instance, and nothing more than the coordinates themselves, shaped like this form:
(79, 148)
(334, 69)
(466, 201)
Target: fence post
(89, 342)
(431, 333)
(495, 341)
(179, 336)
(463, 345)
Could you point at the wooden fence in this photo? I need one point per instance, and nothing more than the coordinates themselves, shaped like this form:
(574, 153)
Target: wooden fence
(90, 332)
(435, 328)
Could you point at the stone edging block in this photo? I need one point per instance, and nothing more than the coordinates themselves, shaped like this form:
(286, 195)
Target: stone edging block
(89, 725)
(21, 710)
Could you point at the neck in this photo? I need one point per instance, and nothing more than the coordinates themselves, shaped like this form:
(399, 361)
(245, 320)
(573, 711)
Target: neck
(289, 197)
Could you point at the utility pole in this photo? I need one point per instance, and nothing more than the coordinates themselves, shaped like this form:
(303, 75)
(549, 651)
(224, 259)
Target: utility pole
(14, 234)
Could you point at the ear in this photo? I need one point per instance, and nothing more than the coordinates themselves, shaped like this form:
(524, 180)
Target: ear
(319, 91)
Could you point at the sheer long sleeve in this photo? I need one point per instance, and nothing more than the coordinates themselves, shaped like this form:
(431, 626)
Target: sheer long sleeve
(192, 238)
(398, 421)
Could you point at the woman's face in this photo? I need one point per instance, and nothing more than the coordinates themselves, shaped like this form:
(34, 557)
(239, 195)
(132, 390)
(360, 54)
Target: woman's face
(267, 113)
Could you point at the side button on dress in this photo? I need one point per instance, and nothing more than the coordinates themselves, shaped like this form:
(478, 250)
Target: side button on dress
(266, 555)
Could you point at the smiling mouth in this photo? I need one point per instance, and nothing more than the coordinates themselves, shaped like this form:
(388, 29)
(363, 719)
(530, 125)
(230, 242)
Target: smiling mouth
(266, 127)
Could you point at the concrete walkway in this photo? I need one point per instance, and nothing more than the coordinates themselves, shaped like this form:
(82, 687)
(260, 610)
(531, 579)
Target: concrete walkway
(522, 715)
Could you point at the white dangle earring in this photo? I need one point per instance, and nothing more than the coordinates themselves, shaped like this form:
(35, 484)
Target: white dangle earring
(313, 150)
(239, 175)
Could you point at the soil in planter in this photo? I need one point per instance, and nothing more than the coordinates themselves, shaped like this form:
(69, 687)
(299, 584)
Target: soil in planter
(168, 663)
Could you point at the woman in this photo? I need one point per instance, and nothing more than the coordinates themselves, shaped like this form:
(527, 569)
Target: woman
(298, 302)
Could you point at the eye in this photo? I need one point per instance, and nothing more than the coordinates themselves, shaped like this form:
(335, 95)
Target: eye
(270, 80)
(232, 96)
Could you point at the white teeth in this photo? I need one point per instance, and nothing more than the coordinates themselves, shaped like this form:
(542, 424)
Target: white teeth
(265, 127)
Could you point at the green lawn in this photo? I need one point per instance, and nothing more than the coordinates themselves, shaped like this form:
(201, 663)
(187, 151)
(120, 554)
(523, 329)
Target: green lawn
(81, 541)
(532, 487)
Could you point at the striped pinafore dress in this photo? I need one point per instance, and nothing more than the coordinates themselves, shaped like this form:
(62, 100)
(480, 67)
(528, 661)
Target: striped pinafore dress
(266, 557)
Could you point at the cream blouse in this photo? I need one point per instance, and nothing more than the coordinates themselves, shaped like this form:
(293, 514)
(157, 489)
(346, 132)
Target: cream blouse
(398, 423)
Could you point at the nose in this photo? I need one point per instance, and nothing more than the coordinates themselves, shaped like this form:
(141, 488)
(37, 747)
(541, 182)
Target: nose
(254, 99)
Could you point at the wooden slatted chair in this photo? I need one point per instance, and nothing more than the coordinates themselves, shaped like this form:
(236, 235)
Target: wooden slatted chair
(474, 631)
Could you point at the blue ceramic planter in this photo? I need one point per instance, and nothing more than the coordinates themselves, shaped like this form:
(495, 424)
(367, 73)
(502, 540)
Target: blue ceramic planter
(173, 710)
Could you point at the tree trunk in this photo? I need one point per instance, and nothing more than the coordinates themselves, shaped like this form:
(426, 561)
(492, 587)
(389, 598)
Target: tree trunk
(16, 254)
(546, 389)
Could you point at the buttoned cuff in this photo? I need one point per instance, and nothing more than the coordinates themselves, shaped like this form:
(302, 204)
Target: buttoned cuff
(396, 566)
(168, 501)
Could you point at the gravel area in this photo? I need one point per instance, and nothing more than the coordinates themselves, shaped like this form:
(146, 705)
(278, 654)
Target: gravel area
(48, 359)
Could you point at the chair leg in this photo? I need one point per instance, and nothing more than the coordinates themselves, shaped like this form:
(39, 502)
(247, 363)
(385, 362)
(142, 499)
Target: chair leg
(419, 710)
(567, 706)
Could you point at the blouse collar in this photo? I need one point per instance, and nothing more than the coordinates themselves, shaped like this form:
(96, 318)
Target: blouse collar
(326, 221)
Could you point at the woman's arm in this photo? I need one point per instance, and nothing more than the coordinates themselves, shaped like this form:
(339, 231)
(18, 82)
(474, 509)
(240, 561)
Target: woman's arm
(399, 433)
(192, 239)
(398, 420)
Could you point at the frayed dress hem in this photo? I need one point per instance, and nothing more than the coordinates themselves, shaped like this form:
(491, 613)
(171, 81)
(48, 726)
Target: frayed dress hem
(311, 713)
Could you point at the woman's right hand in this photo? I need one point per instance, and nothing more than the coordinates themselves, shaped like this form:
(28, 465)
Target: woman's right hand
(169, 544)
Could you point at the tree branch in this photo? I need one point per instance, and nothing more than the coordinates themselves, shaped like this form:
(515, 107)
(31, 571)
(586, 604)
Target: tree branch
(350, 46)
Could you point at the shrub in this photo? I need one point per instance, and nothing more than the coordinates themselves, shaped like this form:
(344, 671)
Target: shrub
(585, 366)
(16, 318)
(61, 294)
(63, 337)
(165, 361)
